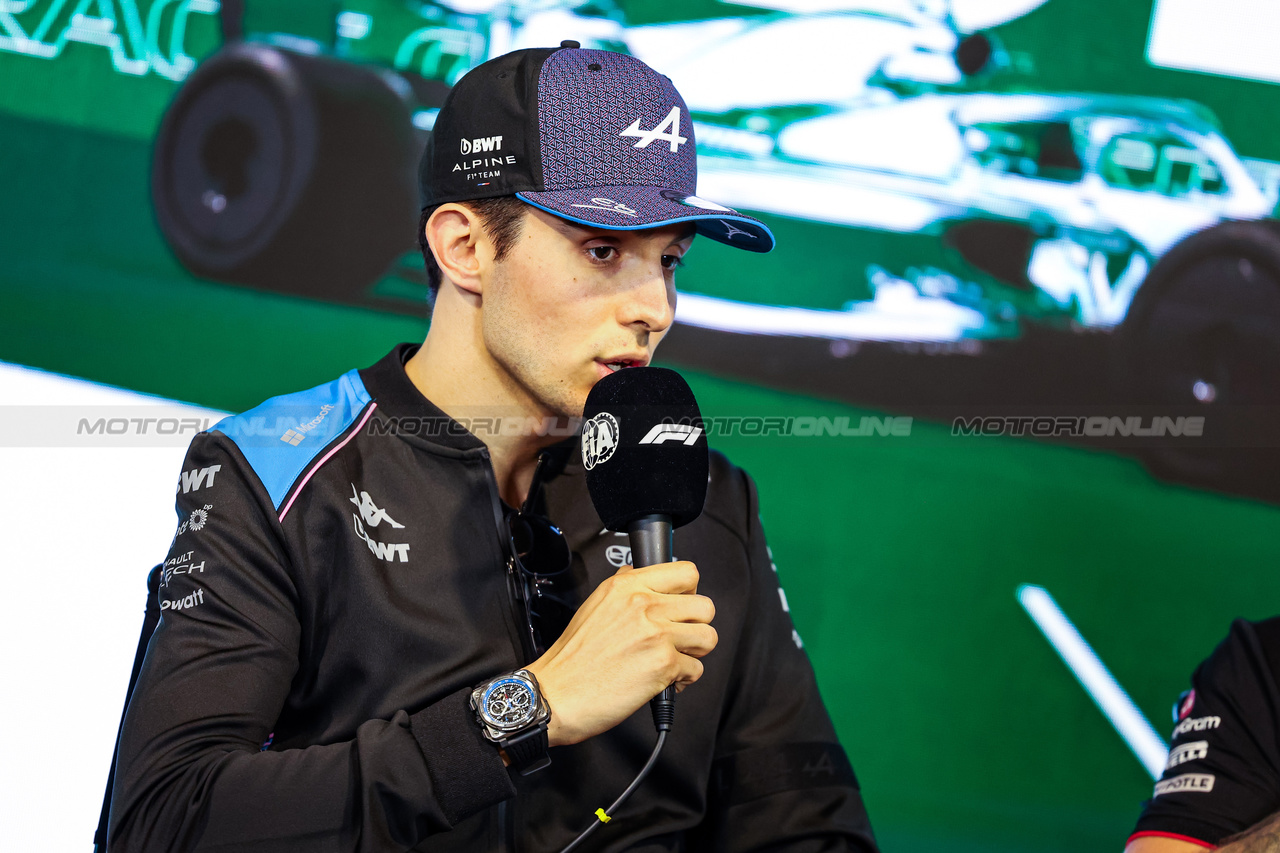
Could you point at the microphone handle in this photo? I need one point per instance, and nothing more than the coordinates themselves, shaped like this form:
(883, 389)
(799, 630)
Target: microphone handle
(650, 538)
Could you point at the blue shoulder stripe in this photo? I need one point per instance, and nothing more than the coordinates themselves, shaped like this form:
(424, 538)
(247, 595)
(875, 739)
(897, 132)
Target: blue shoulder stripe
(283, 435)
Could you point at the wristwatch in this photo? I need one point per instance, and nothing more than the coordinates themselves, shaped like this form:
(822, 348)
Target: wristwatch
(513, 714)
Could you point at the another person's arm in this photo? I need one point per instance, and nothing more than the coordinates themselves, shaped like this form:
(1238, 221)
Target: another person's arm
(1222, 783)
(1159, 844)
(1263, 837)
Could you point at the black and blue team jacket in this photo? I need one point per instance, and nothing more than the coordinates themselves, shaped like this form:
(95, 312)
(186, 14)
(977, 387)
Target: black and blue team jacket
(335, 589)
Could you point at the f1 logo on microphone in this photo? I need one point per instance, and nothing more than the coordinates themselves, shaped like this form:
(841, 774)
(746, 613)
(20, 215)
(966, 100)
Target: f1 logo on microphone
(672, 432)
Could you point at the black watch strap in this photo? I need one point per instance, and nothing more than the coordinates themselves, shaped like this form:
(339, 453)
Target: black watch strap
(527, 751)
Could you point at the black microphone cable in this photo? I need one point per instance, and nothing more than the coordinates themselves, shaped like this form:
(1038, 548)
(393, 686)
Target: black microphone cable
(663, 707)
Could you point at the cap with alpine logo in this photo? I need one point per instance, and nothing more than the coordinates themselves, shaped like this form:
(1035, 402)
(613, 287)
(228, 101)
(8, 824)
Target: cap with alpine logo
(592, 136)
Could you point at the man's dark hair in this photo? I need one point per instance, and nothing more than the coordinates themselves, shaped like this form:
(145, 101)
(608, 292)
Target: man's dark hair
(500, 217)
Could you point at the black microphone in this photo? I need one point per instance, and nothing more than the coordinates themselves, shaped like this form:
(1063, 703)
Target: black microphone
(645, 454)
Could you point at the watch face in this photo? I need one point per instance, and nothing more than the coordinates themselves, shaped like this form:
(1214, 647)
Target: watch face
(508, 703)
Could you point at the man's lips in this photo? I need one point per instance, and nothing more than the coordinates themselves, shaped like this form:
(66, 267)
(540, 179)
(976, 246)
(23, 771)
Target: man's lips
(612, 365)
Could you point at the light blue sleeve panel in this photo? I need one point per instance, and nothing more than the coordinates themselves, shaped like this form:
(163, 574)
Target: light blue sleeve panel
(282, 436)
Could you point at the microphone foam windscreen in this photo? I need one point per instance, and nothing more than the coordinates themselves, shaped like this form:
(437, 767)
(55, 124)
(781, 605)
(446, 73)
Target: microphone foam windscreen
(644, 448)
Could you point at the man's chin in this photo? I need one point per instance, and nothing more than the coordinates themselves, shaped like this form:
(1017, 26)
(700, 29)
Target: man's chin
(566, 409)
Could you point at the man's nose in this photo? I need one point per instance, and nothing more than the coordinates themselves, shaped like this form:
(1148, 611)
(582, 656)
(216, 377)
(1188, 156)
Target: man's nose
(650, 302)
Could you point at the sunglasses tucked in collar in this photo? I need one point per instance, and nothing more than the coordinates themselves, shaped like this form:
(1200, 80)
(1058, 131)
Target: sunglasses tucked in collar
(538, 577)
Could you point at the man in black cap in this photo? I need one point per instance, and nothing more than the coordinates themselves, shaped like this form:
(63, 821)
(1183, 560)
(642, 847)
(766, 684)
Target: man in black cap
(365, 646)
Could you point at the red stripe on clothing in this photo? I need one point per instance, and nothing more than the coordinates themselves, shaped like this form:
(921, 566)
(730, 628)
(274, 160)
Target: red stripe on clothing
(1152, 833)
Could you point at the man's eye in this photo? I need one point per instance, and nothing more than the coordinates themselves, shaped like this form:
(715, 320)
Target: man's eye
(672, 262)
(603, 253)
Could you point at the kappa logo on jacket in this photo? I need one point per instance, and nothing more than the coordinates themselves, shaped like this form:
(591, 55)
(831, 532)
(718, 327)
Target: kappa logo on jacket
(373, 515)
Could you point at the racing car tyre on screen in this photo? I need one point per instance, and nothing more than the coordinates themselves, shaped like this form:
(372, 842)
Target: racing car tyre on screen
(1202, 337)
(286, 172)
(974, 53)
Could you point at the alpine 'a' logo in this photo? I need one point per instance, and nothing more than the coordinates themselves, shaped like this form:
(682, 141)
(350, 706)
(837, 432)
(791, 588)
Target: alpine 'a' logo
(599, 439)
(682, 433)
(668, 130)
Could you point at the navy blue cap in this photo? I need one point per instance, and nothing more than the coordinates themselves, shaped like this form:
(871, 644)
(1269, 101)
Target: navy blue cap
(592, 136)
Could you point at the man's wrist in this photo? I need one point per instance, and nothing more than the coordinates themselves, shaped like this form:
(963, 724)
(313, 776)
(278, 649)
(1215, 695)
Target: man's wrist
(557, 732)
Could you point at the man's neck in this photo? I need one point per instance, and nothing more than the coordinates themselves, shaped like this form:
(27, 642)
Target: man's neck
(452, 370)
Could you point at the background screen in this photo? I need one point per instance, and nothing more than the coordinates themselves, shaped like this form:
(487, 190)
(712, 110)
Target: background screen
(1007, 377)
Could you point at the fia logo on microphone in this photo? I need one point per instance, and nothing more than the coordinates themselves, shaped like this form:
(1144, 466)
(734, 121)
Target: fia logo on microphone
(599, 439)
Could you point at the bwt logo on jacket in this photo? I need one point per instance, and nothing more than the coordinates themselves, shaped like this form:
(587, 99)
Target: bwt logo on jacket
(194, 479)
(484, 143)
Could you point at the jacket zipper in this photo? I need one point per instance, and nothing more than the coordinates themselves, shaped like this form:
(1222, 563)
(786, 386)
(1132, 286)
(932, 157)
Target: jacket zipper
(506, 829)
(522, 649)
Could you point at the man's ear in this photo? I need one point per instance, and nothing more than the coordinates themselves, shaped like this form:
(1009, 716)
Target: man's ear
(457, 238)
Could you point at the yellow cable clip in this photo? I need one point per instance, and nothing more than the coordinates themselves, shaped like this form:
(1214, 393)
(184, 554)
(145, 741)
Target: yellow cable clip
(604, 818)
